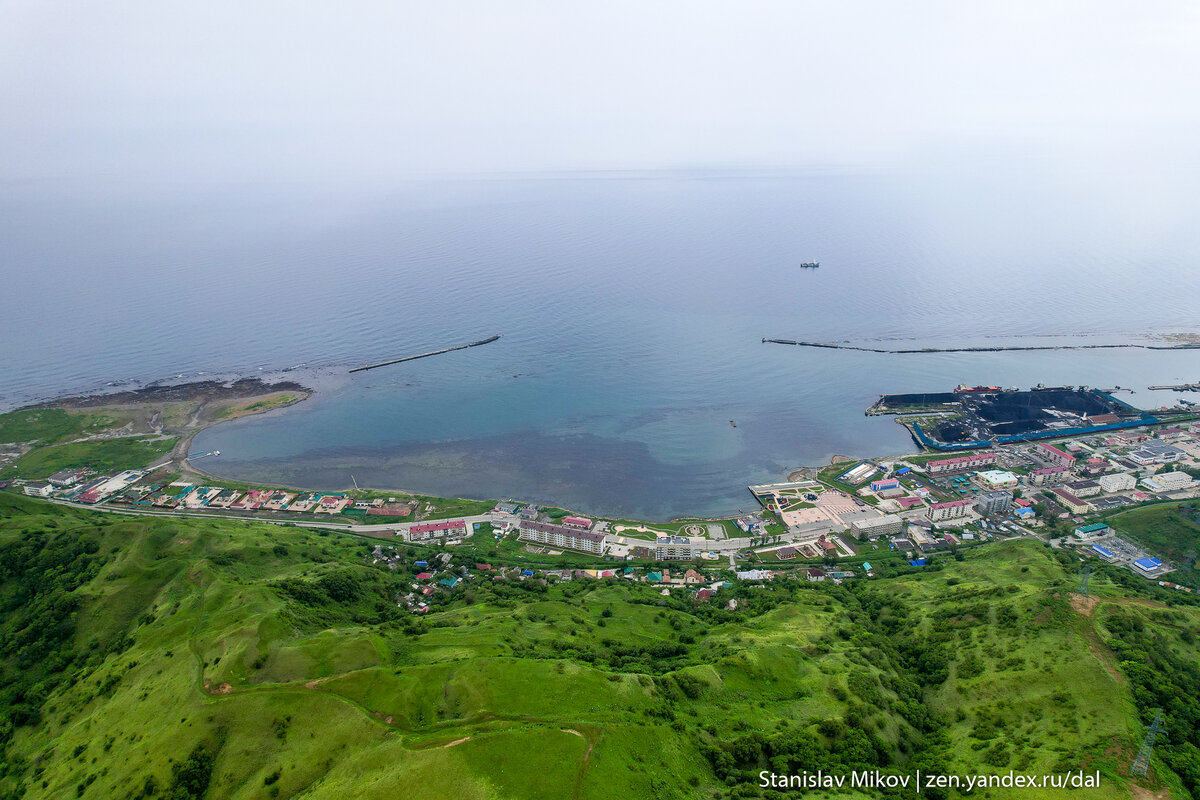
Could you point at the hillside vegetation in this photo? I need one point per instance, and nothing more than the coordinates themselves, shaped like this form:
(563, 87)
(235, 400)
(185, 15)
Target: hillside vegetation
(50, 425)
(184, 659)
(101, 455)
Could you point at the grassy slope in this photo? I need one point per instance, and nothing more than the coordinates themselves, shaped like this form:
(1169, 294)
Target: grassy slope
(1044, 697)
(102, 455)
(471, 702)
(50, 425)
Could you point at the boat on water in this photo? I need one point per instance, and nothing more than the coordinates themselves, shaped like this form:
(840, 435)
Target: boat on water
(809, 264)
(734, 424)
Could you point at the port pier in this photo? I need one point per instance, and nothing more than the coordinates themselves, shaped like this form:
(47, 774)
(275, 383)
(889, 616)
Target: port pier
(425, 355)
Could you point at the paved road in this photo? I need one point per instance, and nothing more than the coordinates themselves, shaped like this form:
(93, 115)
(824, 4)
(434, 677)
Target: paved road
(727, 547)
(331, 525)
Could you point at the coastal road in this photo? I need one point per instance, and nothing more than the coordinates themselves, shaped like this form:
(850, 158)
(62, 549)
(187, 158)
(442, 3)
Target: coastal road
(366, 530)
(728, 547)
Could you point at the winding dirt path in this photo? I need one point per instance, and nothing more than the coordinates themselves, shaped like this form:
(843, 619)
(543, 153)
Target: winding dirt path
(583, 764)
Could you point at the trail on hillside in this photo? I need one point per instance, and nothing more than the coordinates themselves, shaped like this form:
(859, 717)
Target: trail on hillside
(1086, 608)
(583, 764)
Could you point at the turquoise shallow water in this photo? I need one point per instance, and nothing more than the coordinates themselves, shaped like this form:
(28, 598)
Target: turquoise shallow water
(631, 307)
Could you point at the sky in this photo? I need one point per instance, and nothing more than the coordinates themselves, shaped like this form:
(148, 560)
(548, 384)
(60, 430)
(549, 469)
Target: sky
(286, 91)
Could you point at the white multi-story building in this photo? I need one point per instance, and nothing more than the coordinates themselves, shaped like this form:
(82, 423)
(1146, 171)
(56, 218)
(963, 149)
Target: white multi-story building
(1117, 482)
(674, 548)
(874, 527)
(1168, 482)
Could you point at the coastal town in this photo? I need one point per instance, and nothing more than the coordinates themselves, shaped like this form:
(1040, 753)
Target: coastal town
(821, 524)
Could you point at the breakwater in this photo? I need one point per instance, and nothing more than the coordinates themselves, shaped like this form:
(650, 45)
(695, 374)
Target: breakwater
(426, 355)
(996, 349)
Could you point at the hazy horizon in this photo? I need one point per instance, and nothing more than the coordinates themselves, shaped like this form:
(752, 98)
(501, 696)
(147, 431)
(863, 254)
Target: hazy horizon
(375, 92)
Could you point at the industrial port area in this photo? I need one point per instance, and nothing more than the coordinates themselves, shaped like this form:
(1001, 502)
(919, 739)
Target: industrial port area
(971, 417)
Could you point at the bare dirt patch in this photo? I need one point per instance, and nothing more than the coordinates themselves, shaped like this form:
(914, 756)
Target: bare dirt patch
(1084, 605)
(458, 741)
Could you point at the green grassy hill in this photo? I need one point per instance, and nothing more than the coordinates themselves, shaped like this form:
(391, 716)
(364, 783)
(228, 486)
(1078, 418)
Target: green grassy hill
(184, 658)
(101, 455)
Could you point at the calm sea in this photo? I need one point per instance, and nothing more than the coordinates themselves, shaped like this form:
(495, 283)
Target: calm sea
(632, 308)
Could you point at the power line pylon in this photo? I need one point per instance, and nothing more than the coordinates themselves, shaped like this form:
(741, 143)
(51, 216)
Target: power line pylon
(1142, 762)
(1085, 572)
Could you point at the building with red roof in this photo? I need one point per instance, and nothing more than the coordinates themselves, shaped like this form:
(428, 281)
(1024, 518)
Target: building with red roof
(952, 509)
(960, 463)
(445, 529)
(1054, 455)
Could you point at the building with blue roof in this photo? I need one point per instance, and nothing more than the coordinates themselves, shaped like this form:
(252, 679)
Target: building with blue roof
(1146, 566)
(1104, 552)
(919, 562)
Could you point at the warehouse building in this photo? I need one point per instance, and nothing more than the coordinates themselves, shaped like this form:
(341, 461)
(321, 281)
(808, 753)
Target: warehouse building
(995, 480)
(1148, 567)
(1093, 531)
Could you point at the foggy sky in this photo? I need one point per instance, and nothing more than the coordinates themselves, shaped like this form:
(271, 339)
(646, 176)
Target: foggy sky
(285, 90)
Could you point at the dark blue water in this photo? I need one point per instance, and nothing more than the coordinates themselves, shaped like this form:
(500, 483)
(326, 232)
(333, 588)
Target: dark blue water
(631, 308)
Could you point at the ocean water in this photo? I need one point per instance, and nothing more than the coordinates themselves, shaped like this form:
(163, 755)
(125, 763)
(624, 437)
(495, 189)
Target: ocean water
(631, 309)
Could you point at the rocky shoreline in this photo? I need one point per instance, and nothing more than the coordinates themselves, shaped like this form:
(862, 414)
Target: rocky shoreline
(203, 391)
